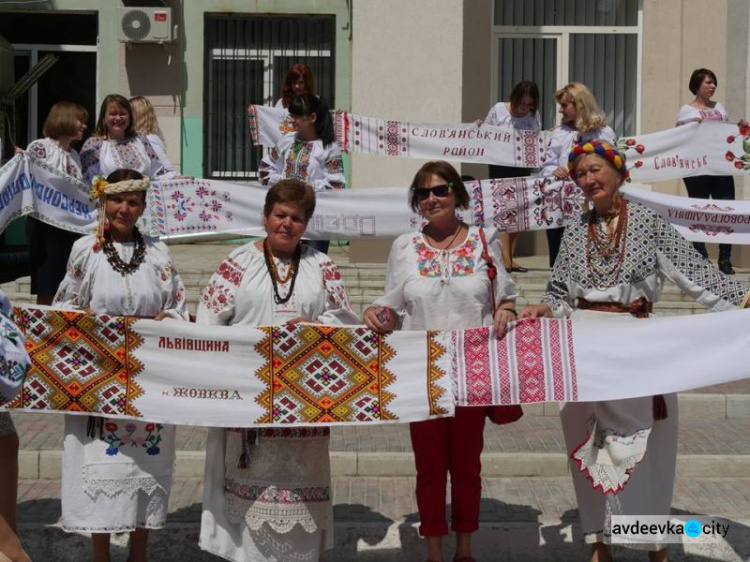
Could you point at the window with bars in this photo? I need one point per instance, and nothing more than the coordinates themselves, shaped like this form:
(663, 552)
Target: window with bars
(247, 58)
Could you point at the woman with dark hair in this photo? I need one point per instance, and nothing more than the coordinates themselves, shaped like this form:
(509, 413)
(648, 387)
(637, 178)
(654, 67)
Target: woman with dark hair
(702, 85)
(440, 279)
(297, 82)
(267, 492)
(116, 145)
(117, 474)
(309, 154)
(49, 246)
(521, 112)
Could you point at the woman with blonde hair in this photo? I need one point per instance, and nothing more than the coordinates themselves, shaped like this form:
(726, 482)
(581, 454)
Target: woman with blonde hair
(146, 123)
(582, 120)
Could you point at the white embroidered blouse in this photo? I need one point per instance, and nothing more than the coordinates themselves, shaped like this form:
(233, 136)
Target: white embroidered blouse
(104, 156)
(92, 283)
(654, 250)
(444, 289)
(500, 115)
(689, 113)
(161, 152)
(562, 141)
(287, 481)
(49, 152)
(13, 357)
(241, 291)
(309, 161)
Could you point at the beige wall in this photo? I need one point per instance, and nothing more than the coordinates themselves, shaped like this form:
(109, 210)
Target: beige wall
(407, 63)
(678, 37)
(154, 71)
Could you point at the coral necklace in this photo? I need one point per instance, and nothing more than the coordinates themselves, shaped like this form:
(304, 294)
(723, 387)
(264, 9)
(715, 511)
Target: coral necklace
(273, 271)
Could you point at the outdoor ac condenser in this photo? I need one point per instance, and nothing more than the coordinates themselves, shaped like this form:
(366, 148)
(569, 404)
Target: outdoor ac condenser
(145, 25)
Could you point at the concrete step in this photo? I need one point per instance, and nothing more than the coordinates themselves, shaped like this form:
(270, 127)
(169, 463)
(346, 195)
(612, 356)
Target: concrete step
(531, 447)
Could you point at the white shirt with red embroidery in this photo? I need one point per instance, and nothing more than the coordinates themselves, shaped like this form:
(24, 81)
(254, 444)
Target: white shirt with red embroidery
(689, 113)
(241, 291)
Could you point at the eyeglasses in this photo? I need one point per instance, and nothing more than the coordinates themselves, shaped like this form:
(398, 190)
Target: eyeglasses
(438, 191)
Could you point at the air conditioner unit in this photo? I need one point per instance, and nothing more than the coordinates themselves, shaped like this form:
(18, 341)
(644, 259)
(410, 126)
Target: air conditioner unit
(145, 25)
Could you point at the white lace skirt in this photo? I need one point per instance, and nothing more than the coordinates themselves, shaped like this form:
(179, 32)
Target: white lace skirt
(620, 424)
(118, 480)
(276, 508)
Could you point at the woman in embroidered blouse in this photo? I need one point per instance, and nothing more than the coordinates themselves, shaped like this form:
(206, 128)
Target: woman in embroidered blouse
(267, 492)
(297, 82)
(13, 364)
(146, 123)
(49, 246)
(614, 259)
(581, 120)
(108, 485)
(116, 145)
(309, 154)
(520, 112)
(703, 85)
(438, 280)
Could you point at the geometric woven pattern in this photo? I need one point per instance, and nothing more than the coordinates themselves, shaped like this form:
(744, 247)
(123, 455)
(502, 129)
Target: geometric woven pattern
(79, 363)
(534, 362)
(434, 372)
(324, 374)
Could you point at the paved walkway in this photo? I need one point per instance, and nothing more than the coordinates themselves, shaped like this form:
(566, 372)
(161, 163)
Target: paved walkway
(376, 520)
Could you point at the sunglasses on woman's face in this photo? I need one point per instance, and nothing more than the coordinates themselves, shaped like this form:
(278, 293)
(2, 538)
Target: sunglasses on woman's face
(438, 191)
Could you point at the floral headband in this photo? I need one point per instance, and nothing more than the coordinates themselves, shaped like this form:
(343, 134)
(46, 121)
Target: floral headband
(603, 149)
(100, 188)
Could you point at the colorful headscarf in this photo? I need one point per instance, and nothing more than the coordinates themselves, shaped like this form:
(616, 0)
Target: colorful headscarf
(603, 149)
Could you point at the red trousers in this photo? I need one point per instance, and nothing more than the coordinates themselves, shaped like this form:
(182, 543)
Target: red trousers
(449, 445)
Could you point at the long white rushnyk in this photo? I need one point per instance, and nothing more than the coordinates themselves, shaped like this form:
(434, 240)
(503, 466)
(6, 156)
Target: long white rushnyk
(195, 209)
(538, 361)
(307, 375)
(709, 148)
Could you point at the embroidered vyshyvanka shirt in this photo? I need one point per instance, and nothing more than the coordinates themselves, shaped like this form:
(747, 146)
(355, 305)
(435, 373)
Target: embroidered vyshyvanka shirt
(286, 482)
(562, 141)
(689, 113)
(49, 152)
(435, 289)
(121, 478)
(13, 357)
(309, 161)
(101, 156)
(92, 283)
(654, 251)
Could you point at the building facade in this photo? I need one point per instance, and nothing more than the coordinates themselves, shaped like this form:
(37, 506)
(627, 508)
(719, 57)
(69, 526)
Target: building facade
(422, 60)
